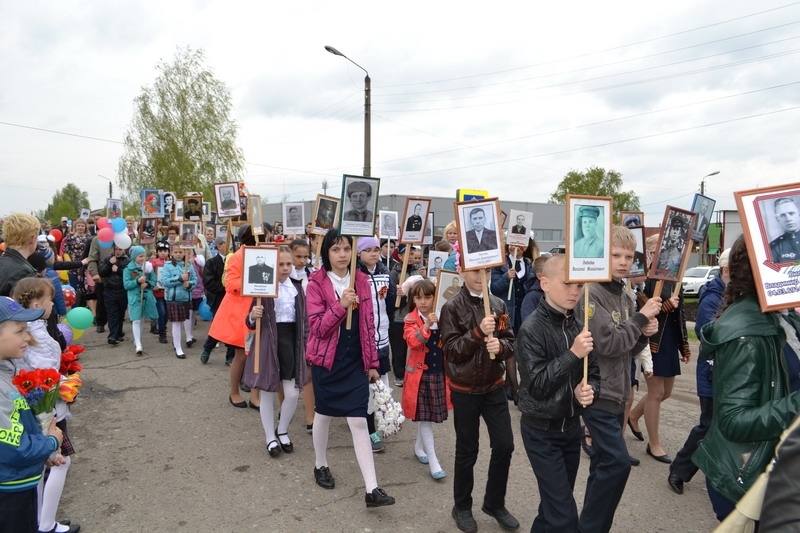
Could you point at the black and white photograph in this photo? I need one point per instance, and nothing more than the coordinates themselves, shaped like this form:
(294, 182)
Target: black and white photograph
(169, 201)
(259, 271)
(435, 263)
(771, 225)
(631, 219)
(448, 283)
(480, 233)
(326, 212)
(113, 208)
(414, 220)
(188, 234)
(427, 237)
(227, 198)
(221, 230)
(387, 225)
(151, 204)
(148, 229)
(588, 227)
(519, 226)
(703, 207)
(277, 227)
(255, 214)
(244, 202)
(639, 266)
(86, 213)
(359, 196)
(207, 212)
(192, 208)
(673, 245)
(294, 218)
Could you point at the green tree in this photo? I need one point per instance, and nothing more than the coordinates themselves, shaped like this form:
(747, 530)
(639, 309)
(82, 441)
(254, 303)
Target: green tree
(597, 182)
(181, 137)
(66, 202)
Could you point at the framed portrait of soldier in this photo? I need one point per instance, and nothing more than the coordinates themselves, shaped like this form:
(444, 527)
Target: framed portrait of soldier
(259, 272)
(588, 238)
(226, 196)
(519, 225)
(326, 212)
(414, 220)
(674, 244)
(207, 213)
(703, 208)
(113, 208)
(188, 234)
(148, 229)
(221, 230)
(427, 237)
(480, 234)
(387, 225)
(193, 208)
(631, 219)
(448, 283)
(294, 218)
(244, 202)
(436, 263)
(256, 217)
(771, 226)
(179, 210)
(359, 197)
(639, 266)
(151, 203)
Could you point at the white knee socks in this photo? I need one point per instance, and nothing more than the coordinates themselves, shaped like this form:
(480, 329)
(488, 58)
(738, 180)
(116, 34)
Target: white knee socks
(136, 326)
(289, 405)
(51, 495)
(425, 433)
(176, 337)
(187, 326)
(322, 425)
(363, 447)
(267, 413)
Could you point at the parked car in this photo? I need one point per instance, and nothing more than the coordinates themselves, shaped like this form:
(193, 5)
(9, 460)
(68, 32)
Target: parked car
(560, 249)
(696, 277)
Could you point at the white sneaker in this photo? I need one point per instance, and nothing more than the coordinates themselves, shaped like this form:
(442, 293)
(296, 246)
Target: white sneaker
(139, 350)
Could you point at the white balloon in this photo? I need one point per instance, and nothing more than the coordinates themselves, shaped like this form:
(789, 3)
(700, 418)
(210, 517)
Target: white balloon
(148, 267)
(200, 261)
(122, 240)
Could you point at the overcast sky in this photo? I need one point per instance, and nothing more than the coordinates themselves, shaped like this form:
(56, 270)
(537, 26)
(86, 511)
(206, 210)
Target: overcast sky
(507, 98)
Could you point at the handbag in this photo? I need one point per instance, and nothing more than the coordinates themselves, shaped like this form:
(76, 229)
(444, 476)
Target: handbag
(747, 512)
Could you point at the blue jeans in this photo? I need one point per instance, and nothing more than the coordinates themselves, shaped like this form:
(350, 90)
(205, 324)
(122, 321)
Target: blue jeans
(467, 412)
(161, 307)
(608, 470)
(554, 457)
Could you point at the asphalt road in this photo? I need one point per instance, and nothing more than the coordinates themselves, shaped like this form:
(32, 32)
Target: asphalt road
(160, 449)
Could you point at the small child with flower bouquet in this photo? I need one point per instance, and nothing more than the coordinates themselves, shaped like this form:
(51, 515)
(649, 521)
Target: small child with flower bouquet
(426, 398)
(40, 368)
(139, 280)
(24, 449)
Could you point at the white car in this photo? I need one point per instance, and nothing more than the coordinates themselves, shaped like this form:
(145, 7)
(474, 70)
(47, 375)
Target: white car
(696, 277)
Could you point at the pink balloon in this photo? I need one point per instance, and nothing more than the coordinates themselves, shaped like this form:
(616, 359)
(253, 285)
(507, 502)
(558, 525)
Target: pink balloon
(103, 222)
(106, 234)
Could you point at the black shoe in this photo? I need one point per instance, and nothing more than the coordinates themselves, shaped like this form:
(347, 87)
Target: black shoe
(634, 461)
(464, 520)
(660, 458)
(275, 450)
(74, 528)
(154, 330)
(240, 405)
(503, 517)
(162, 338)
(204, 356)
(190, 343)
(113, 342)
(637, 434)
(251, 405)
(587, 448)
(675, 483)
(100, 329)
(244, 387)
(324, 478)
(378, 498)
(288, 448)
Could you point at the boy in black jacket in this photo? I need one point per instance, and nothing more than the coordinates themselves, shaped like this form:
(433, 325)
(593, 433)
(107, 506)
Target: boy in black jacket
(114, 294)
(550, 349)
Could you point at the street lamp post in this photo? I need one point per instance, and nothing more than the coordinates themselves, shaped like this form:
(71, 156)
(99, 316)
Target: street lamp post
(110, 186)
(704, 244)
(367, 106)
(703, 181)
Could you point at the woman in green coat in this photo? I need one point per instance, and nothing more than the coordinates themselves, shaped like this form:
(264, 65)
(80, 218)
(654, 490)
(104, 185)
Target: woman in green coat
(139, 280)
(753, 402)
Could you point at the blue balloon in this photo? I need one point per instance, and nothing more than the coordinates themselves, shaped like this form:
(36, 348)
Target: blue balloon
(205, 311)
(118, 225)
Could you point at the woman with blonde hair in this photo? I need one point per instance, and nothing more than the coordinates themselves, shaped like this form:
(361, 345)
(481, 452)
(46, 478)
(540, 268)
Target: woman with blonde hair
(20, 232)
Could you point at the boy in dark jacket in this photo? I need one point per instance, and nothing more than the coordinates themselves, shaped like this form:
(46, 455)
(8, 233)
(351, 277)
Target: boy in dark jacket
(215, 292)
(114, 294)
(619, 334)
(475, 347)
(550, 349)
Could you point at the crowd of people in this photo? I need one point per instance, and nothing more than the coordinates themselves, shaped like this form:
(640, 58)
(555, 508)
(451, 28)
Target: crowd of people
(332, 333)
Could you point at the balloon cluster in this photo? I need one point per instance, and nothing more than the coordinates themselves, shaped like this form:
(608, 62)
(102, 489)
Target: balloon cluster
(113, 231)
(78, 319)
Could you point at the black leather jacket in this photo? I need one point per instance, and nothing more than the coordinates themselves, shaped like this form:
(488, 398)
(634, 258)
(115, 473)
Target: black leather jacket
(549, 370)
(467, 361)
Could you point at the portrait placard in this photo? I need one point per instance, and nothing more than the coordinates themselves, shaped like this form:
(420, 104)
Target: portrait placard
(436, 263)
(480, 234)
(113, 208)
(188, 235)
(244, 201)
(148, 229)
(770, 224)
(387, 225)
(294, 219)
(326, 212)
(427, 238)
(193, 208)
(169, 202)
(703, 207)
(673, 245)
(448, 283)
(277, 227)
(631, 219)
(255, 214)
(588, 238)
(359, 196)
(227, 198)
(415, 218)
(86, 213)
(221, 230)
(151, 203)
(207, 212)
(519, 225)
(639, 266)
(179, 210)
(259, 272)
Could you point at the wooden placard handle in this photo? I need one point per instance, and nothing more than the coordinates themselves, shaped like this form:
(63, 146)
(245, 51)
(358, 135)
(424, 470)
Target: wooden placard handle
(487, 307)
(319, 251)
(585, 328)
(256, 347)
(679, 283)
(403, 273)
(353, 257)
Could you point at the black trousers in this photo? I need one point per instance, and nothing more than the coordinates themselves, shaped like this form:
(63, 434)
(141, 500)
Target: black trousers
(467, 412)
(683, 465)
(101, 316)
(116, 305)
(19, 511)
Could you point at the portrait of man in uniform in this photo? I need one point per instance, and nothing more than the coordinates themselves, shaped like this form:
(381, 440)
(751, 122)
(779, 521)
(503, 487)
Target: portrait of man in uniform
(260, 272)
(786, 247)
(588, 241)
(359, 194)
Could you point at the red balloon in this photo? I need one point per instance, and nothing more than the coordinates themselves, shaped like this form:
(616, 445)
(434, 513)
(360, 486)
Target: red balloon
(69, 295)
(106, 234)
(56, 234)
(103, 222)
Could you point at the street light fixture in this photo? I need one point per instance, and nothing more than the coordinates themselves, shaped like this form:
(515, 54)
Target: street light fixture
(110, 186)
(703, 182)
(367, 106)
